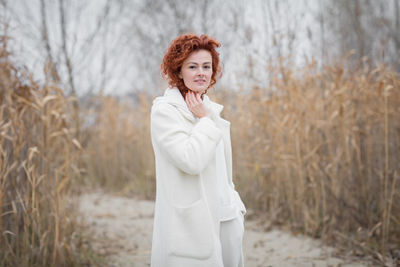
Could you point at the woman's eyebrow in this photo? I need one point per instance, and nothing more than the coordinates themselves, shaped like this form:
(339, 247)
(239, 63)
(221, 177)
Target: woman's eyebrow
(195, 63)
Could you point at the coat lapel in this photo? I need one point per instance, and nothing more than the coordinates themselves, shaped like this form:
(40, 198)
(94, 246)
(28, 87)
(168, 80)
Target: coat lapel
(174, 97)
(224, 125)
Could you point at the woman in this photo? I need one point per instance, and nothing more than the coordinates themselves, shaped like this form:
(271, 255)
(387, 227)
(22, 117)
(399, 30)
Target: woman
(198, 214)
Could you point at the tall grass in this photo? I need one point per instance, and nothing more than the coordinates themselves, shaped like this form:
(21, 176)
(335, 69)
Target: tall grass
(37, 157)
(320, 151)
(118, 154)
(317, 150)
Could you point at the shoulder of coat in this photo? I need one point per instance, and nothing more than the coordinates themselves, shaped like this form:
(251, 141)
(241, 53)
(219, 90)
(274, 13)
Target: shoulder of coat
(163, 105)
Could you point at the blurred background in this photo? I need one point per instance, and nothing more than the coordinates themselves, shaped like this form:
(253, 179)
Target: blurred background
(116, 46)
(311, 89)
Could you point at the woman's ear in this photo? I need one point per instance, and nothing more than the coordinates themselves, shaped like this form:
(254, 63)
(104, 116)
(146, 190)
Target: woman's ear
(180, 75)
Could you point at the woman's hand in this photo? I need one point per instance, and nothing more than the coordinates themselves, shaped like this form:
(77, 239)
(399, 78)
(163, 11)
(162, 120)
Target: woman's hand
(195, 104)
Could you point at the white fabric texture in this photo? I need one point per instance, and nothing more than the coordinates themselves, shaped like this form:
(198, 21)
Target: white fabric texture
(186, 230)
(231, 236)
(229, 209)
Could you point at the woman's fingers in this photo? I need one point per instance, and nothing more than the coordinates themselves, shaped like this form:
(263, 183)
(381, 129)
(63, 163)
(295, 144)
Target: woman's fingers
(196, 100)
(192, 99)
(198, 97)
(189, 99)
(195, 104)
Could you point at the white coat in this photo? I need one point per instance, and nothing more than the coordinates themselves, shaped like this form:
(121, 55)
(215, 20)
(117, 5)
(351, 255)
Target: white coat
(187, 210)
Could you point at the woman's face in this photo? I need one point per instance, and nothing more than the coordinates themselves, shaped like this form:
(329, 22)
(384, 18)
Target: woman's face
(196, 71)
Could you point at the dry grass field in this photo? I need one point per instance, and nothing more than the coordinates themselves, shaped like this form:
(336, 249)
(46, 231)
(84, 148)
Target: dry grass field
(320, 151)
(315, 150)
(38, 162)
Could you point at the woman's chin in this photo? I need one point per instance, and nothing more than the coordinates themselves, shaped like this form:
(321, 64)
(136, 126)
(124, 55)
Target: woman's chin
(199, 90)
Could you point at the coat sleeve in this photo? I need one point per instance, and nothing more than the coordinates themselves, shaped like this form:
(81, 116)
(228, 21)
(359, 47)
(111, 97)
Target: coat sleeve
(188, 151)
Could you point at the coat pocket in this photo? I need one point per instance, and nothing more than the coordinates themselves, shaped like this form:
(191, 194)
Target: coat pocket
(191, 231)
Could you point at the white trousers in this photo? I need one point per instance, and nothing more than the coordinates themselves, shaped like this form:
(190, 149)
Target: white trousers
(231, 236)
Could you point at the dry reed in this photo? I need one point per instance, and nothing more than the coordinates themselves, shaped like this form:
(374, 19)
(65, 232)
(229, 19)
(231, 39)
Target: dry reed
(118, 153)
(37, 157)
(318, 150)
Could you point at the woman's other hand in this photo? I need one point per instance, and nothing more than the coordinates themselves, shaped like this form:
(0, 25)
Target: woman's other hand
(195, 104)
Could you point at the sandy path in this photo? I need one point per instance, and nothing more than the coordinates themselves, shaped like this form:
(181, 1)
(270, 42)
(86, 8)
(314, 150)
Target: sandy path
(122, 230)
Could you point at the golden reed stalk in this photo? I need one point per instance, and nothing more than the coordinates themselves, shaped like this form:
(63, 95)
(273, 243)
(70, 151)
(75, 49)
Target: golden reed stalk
(320, 150)
(37, 156)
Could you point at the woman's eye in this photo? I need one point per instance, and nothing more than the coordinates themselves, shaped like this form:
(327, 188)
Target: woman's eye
(192, 67)
(207, 67)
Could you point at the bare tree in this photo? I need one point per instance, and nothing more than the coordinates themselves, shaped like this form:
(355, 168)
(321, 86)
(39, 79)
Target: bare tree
(65, 52)
(366, 27)
(50, 63)
(117, 45)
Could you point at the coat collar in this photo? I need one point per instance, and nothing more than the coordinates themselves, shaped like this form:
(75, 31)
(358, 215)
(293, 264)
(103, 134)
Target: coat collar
(174, 97)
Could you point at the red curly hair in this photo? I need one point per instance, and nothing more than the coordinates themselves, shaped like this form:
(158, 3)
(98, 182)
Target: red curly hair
(180, 49)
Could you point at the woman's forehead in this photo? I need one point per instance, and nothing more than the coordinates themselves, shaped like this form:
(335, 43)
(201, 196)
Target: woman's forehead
(200, 56)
